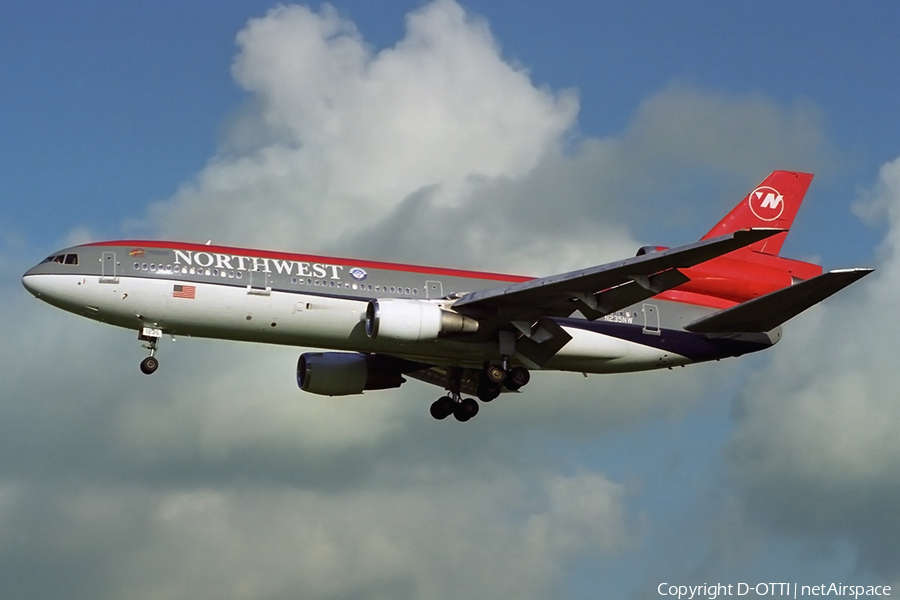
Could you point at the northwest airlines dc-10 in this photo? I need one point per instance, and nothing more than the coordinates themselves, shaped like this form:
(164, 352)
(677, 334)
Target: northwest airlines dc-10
(468, 332)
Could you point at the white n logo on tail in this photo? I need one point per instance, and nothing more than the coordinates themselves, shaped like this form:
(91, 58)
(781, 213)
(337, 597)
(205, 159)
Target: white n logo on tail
(772, 201)
(766, 203)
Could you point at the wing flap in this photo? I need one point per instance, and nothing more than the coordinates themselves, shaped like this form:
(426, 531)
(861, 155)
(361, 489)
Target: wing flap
(768, 312)
(632, 292)
(541, 342)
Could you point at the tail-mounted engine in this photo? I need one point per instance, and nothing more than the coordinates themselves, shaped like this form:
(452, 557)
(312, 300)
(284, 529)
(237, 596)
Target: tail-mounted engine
(345, 373)
(404, 320)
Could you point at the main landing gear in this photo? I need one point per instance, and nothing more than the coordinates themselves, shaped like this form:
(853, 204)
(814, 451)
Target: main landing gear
(151, 336)
(491, 381)
(462, 409)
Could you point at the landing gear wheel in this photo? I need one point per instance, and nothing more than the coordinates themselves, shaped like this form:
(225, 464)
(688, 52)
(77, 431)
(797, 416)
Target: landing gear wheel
(488, 391)
(518, 377)
(442, 407)
(149, 365)
(494, 374)
(465, 410)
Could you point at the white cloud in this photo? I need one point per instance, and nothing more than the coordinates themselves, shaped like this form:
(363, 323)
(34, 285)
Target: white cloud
(343, 134)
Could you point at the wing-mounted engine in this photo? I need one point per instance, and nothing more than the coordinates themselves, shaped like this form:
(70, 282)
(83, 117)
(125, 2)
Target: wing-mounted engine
(345, 373)
(404, 320)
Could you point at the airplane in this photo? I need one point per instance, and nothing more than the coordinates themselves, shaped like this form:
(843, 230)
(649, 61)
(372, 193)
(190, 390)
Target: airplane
(470, 333)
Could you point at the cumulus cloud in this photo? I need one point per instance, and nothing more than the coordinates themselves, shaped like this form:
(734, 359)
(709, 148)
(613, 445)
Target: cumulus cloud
(340, 133)
(816, 451)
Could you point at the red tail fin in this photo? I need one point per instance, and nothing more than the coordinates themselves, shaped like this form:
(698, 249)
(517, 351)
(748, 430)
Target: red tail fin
(774, 203)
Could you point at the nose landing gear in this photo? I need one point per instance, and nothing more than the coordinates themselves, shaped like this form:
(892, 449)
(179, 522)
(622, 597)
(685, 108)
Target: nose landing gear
(149, 365)
(151, 336)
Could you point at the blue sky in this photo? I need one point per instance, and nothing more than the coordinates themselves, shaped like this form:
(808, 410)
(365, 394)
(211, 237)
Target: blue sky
(637, 123)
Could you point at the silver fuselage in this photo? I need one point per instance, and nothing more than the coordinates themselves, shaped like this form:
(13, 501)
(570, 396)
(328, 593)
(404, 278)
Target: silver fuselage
(314, 301)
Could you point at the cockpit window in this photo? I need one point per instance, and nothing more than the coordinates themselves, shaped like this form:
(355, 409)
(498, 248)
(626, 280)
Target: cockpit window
(63, 259)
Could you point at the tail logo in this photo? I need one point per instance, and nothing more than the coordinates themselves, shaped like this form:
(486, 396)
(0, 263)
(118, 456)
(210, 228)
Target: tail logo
(766, 203)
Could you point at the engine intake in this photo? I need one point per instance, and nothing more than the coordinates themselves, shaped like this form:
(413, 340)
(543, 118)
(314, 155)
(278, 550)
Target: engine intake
(404, 320)
(344, 373)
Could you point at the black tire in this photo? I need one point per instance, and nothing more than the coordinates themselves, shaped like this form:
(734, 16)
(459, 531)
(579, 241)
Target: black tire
(149, 365)
(465, 410)
(488, 391)
(442, 407)
(494, 374)
(518, 377)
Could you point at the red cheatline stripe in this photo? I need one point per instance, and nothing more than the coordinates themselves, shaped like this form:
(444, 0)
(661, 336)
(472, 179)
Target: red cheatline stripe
(347, 262)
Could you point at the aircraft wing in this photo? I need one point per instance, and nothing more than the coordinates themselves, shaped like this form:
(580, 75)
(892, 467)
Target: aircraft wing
(768, 312)
(604, 289)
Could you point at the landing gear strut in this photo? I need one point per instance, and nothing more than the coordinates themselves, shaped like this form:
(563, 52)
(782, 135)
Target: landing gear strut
(151, 336)
(492, 379)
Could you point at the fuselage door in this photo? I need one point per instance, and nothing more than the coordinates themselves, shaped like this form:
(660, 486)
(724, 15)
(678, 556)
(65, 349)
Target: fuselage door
(259, 283)
(433, 290)
(651, 319)
(108, 268)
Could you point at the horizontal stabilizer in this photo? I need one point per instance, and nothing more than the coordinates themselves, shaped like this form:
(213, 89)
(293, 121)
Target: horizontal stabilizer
(768, 312)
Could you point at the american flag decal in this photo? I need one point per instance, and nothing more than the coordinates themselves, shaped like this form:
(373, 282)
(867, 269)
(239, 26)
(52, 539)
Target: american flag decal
(184, 291)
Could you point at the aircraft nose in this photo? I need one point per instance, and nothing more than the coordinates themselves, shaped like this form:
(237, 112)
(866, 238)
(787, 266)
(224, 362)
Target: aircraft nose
(40, 285)
(32, 284)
